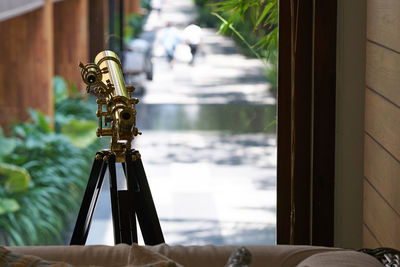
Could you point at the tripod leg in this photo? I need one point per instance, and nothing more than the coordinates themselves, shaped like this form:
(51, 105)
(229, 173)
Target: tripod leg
(127, 218)
(127, 214)
(89, 201)
(114, 199)
(143, 201)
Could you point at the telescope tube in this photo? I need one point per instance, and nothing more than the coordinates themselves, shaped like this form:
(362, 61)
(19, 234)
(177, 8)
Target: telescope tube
(110, 60)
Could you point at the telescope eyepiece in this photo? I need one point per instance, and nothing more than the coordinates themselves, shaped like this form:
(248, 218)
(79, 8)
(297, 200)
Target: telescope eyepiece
(91, 78)
(91, 73)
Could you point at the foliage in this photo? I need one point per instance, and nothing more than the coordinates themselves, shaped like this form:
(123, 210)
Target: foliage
(134, 27)
(201, 3)
(205, 18)
(263, 18)
(145, 4)
(42, 174)
(7, 145)
(271, 71)
(81, 133)
(71, 105)
(253, 24)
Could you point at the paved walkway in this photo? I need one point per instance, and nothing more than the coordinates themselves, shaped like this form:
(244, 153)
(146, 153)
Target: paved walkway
(210, 166)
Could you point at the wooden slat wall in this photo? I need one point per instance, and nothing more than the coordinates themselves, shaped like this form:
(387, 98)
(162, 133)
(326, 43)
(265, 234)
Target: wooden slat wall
(382, 126)
(370, 240)
(71, 38)
(26, 65)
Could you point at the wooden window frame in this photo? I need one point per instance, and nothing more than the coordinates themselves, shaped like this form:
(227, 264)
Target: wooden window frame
(306, 122)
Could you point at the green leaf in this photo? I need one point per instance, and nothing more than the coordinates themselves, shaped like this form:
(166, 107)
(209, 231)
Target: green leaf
(60, 89)
(81, 133)
(238, 34)
(8, 205)
(266, 10)
(7, 145)
(73, 89)
(40, 120)
(17, 179)
(29, 227)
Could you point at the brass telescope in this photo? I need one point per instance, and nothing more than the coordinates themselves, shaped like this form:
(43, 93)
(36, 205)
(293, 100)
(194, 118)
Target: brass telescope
(117, 118)
(116, 106)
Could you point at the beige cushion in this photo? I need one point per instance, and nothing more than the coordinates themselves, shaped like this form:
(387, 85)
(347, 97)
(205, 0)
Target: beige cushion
(140, 256)
(8, 258)
(200, 256)
(341, 258)
(98, 255)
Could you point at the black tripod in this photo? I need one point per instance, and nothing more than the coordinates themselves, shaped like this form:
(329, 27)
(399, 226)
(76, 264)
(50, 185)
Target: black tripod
(125, 204)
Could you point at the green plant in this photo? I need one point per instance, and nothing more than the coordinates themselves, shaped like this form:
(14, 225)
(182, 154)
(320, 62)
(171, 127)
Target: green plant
(201, 3)
(145, 4)
(254, 24)
(43, 174)
(13, 179)
(74, 113)
(260, 15)
(134, 27)
(271, 71)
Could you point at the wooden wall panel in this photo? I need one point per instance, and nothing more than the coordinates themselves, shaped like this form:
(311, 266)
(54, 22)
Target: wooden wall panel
(382, 125)
(383, 71)
(382, 121)
(71, 38)
(26, 65)
(383, 171)
(369, 239)
(383, 22)
(381, 218)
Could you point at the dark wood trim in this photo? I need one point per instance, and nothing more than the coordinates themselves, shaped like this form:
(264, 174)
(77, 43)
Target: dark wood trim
(306, 122)
(294, 122)
(324, 122)
(283, 129)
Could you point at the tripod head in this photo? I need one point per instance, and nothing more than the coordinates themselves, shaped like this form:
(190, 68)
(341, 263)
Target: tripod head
(116, 106)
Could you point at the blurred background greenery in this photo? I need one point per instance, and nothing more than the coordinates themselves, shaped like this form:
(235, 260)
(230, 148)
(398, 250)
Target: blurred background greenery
(45, 169)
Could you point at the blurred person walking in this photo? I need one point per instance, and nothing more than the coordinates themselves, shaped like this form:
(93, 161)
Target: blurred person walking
(192, 36)
(170, 38)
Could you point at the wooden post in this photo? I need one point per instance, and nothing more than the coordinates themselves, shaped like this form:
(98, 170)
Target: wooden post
(71, 41)
(26, 65)
(132, 6)
(98, 12)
